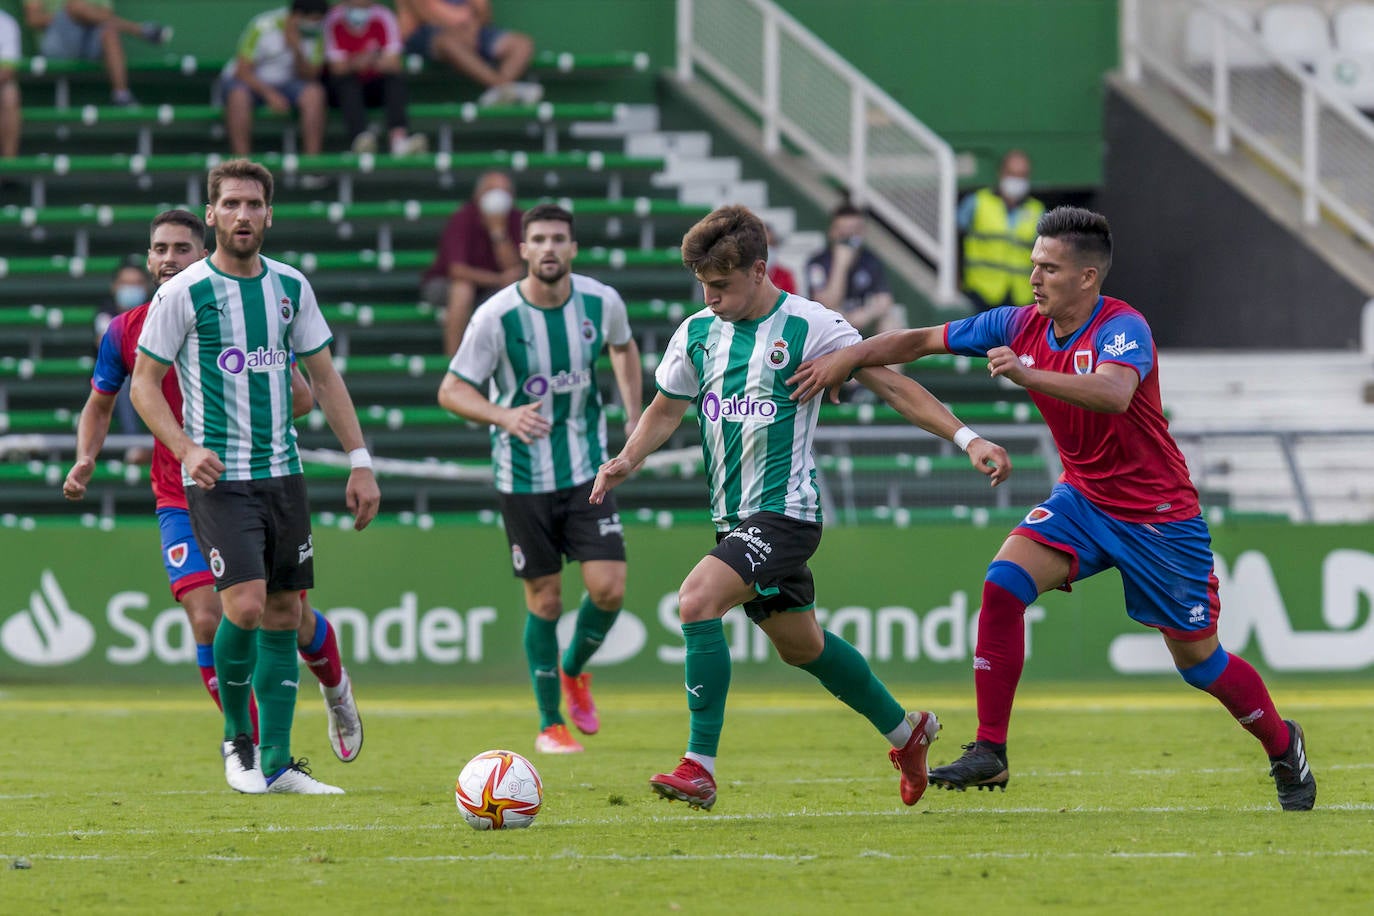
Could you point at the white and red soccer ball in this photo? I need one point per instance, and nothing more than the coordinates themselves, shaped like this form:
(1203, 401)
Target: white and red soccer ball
(499, 790)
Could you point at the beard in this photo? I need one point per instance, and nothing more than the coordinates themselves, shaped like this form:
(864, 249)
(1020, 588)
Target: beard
(551, 273)
(226, 239)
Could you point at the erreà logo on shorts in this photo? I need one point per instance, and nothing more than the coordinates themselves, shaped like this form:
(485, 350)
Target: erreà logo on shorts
(736, 407)
(235, 361)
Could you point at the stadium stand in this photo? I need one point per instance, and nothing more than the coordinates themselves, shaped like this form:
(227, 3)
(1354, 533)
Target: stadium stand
(80, 204)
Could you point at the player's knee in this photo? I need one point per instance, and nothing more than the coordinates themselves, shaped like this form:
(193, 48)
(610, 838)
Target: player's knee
(1012, 578)
(693, 603)
(608, 598)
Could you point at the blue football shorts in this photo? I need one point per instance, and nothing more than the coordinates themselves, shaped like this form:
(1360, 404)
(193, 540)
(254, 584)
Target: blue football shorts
(1166, 567)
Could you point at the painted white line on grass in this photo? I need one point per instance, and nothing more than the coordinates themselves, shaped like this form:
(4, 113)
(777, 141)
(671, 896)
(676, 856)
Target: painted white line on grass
(571, 856)
(553, 822)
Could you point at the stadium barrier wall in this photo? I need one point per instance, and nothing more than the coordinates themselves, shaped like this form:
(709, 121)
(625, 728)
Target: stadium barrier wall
(441, 605)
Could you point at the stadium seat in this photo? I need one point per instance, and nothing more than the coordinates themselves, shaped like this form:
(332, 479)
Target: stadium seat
(1295, 32)
(1352, 28)
(1200, 34)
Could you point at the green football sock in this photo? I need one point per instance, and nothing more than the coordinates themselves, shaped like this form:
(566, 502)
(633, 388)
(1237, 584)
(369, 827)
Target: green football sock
(593, 624)
(708, 683)
(276, 680)
(236, 652)
(541, 651)
(844, 671)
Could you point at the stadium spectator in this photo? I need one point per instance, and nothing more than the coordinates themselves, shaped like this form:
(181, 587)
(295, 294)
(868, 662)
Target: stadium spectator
(477, 255)
(363, 51)
(778, 275)
(248, 506)
(128, 288)
(460, 35)
(278, 64)
(731, 359)
(90, 30)
(11, 121)
(1124, 500)
(177, 241)
(847, 277)
(549, 438)
(998, 225)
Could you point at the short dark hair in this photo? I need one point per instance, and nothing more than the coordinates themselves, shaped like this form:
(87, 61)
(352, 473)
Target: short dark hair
(726, 239)
(246, 169)
(1086, 232)
(310, 7)
(550, 212)
(180, 218)
(846, 208)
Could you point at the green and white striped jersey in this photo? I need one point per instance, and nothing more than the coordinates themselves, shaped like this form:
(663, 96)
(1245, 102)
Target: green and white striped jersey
(231, 341)
(756, 440)
(518, 353)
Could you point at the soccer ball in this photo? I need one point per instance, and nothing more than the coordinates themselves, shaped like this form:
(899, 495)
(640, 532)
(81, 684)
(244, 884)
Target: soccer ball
(499, 790)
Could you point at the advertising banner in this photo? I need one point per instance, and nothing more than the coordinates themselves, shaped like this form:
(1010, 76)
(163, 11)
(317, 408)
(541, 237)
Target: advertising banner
(441, 605)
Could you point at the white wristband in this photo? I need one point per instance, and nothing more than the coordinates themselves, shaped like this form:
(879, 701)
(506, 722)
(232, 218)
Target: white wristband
(963, 436)
(360, 458)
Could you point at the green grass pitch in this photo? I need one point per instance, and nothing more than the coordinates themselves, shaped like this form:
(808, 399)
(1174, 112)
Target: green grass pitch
(1124, 799)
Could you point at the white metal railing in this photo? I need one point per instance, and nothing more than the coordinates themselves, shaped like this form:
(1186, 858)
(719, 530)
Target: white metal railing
(805, 93)
(1295, 115)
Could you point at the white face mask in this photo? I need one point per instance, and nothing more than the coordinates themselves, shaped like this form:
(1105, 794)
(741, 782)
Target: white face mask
(127, 295)
(357, 16)
(495, 202)
(1013, 187)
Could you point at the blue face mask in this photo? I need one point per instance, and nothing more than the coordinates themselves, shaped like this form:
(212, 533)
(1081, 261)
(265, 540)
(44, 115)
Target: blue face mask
(358, 17)
(128, 295)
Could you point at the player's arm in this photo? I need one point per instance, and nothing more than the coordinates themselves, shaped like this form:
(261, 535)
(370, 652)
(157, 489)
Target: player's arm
(629, 378)
(911, 399)
(459, 396)
(302, 398)
(145, 391)
(662, 417)
(1107, 390)
(91, 429)
(891, 348)
(362, 495)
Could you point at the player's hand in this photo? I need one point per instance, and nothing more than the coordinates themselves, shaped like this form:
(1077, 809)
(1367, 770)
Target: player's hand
(74, 487)
(526, 423)
(277, 101)
(990, 459)
(363, 497)
(1004, 363)
(823, 373)
(203, 465)
(610, 475)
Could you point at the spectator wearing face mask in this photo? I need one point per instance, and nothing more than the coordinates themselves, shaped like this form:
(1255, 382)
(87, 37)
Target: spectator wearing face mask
(362, 48)
(998, 225)
(478, 254)
(278, 64)
(129, 288)
(847, 277)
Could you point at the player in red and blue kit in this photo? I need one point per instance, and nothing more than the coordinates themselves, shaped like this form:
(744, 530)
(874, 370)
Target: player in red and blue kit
(176, 242)
(1125, 499)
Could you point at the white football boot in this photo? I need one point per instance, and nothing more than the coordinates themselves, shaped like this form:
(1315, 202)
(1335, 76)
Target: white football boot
(295, 779)
(242, 767)
(345, 727)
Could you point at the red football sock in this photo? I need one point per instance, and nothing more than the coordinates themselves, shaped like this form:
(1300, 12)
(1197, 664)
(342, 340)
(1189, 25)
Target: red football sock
(1241, 690)
(325, 663)
(207, 675)
(998, 659)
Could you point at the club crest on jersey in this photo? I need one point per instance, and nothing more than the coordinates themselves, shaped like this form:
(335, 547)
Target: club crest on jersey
(177, 554)
(216, 563)
(517, 558)
(1037, 515)
(777, 354)
(1083, 362)
(588, 330)
(287, 312)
